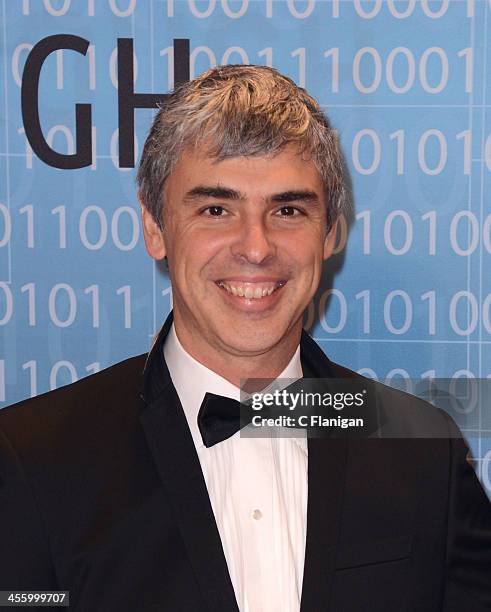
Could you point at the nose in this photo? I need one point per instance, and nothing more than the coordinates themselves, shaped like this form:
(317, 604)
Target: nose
(254, 242)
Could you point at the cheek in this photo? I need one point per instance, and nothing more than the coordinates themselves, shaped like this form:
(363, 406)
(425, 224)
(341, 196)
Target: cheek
(197, 255)
(310, 259)
(313, 270)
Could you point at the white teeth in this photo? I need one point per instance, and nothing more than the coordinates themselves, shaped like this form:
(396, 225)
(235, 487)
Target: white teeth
(249, 292)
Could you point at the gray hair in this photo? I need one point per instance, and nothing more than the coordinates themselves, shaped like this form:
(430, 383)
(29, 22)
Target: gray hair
(236, 111)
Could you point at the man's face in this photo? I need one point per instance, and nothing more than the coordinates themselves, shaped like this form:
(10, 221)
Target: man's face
(245, 239)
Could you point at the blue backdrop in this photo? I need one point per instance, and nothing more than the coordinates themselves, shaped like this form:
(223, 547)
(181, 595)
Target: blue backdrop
(405, 83)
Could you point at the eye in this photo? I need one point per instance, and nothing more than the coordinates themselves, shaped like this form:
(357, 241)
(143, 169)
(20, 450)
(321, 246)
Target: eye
(213, 211)
(289, 211)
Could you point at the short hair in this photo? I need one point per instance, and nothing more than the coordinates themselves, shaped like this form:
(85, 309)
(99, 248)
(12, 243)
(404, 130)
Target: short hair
(234, 111)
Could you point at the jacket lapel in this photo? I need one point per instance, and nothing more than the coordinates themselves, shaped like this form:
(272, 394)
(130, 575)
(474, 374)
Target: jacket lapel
(326, 485)
(172, 447)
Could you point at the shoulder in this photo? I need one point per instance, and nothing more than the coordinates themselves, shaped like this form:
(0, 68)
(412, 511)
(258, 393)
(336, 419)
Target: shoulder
(107, 397)
(402, 414)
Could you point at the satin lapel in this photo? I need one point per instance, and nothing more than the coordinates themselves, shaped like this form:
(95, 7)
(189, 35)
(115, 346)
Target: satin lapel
(173, 451)
(326, 485)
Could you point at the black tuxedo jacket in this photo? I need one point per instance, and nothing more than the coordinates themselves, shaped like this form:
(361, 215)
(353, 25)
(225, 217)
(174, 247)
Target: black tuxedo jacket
(102, 494)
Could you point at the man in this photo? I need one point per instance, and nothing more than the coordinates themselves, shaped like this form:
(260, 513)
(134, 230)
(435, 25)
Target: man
(115, 489)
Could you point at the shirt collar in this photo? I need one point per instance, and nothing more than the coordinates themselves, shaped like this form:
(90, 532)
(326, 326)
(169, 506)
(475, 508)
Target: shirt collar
(192, 380)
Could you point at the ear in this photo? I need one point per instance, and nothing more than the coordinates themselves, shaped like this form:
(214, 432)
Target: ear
(330, 241)
(153, 235)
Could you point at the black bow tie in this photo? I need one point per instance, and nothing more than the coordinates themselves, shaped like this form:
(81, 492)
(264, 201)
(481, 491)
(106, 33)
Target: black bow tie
(218, 418)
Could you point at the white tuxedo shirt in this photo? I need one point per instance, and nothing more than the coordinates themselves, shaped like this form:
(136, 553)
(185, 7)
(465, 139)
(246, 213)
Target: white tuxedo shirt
(257, 489)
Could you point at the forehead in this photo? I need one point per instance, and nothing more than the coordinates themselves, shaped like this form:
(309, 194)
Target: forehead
(254, 176)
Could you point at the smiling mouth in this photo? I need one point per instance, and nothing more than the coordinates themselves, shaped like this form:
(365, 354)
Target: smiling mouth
(251, 291)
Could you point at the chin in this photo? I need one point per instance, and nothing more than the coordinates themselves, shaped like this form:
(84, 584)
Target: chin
(255, 342)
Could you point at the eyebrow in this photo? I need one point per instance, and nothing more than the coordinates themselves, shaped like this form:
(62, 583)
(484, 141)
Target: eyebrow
(218, 193)
(302, 195)
(227, 193)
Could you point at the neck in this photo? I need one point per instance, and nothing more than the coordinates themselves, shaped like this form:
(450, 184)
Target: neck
(237, 367)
